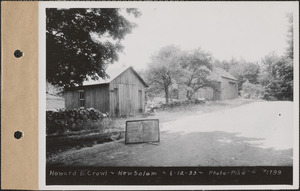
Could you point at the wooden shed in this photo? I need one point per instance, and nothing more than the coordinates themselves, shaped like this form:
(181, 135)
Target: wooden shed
(228, 87)
(122, 94)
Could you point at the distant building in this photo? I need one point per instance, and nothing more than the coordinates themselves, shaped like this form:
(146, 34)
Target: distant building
(227, 87)
(122, 94)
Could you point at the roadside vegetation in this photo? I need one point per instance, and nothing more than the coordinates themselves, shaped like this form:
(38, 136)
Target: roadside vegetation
(75, 129)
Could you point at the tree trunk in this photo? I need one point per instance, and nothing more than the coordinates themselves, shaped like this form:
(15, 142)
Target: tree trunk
(189, 95)
(167, 95)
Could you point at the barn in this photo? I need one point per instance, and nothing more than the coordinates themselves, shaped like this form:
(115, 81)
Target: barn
(228, 87)
(122, 94)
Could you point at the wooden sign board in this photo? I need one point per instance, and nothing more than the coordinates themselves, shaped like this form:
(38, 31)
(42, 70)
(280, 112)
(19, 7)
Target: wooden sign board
(142, 131)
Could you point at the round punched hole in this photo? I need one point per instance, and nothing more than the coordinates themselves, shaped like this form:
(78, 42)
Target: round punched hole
(18, 53)
(279, 114)
(18, 134)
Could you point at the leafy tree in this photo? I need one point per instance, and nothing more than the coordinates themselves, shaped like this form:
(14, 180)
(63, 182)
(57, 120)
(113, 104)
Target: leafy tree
(244, 71)
(280, 86)
(226, 65)
(163, 70)
(82, 42)
(277, 74)
(196, 69)
(266, 73)
(253, 91)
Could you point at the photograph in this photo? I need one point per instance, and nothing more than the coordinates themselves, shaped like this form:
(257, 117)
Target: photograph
(169, 92)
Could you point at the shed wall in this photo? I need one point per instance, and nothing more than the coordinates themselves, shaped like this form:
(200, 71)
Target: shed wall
(229, 89)
(207, 93)
(125, 98)
(94, 97)
(71, 99)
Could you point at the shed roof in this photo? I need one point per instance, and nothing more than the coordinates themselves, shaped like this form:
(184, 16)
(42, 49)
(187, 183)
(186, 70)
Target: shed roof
(113, 72)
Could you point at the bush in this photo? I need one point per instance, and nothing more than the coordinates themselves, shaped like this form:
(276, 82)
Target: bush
(61, 121)
(150, 109)
(252, 91)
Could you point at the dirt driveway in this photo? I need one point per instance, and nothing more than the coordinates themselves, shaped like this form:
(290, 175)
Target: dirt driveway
(258, 133)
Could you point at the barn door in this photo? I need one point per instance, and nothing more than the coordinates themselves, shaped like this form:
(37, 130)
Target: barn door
(140, 101)
(129, 100)
(116, 102)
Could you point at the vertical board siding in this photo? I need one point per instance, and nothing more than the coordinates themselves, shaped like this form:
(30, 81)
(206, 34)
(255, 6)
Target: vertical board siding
(71, 99)
(120, 97)
(94, 97)
(97, 97)
(128, 86)
(229, 91)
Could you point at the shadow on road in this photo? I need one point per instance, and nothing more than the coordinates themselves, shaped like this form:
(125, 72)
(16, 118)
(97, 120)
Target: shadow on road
(179, 149)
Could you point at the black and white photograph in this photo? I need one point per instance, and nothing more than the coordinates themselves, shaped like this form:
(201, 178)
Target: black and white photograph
(173, 93)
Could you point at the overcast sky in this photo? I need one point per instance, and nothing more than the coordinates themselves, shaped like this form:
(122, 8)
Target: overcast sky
(240, 30)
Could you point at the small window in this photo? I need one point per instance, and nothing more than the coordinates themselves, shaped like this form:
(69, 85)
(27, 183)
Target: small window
(81, 98)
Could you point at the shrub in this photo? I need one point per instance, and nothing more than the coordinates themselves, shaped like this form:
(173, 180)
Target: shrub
(252, 91)
(61, 121)
(150, 109)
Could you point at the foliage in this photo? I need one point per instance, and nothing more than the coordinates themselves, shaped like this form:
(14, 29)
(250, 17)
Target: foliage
(196, 69)
(252, 91)
(277, 72)
(241, 69)
(265, 75)
(82, 42)
(62, 120)
(150, 109)
(54, 90)
(163, 70)
(244, 71)
(226, 65)
(290, 37)
(172, 69)
(280, 85)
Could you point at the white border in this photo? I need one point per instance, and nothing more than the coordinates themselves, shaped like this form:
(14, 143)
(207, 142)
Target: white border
(105, 4)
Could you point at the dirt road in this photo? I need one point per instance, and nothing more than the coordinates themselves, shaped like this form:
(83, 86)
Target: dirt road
(259, 133)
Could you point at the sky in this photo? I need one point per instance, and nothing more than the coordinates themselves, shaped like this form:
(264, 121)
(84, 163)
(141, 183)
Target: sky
(247, 30)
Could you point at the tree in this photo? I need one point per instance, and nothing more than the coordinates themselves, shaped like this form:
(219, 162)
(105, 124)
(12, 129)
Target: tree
(267, 73)
(82, 42)
(163, 70)
(222, 64)
(280, 86)
(277, 74)
(253, 91)
(290, 37)
(196, 68)
(244, 71)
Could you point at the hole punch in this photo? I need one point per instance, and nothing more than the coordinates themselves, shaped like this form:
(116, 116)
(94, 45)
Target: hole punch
(18, 53)
(18, 134)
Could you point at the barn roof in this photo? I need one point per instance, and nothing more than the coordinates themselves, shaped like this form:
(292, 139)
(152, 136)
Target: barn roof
(113, 72)
(223, 73)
